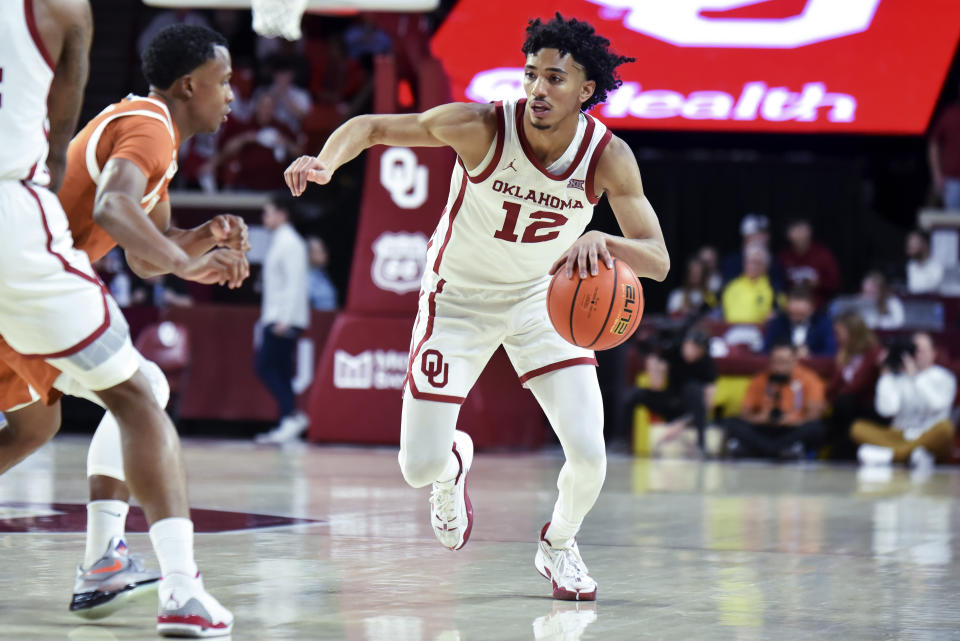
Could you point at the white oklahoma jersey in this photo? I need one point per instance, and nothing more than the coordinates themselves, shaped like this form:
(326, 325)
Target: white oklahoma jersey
(53, 306)
(486, 280)
(26, 72)
(509, 219)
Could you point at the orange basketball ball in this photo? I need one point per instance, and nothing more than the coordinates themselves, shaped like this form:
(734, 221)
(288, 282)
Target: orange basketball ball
(597, 312)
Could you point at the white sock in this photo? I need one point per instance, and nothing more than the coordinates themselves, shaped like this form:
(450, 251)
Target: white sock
(561, 531)
(451, 470)
(105, 520)
(173, 542)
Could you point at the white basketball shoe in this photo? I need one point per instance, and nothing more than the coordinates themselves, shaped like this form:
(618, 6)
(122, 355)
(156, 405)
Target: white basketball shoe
(188, 610)
(451, 513)
(566, 571)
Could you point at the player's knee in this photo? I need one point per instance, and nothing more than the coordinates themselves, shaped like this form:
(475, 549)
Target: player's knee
(134, 394)
(589, 458)
(422, 469)
(158, 381)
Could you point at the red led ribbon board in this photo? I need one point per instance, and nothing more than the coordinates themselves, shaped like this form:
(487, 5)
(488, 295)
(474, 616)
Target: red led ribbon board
(809, 66)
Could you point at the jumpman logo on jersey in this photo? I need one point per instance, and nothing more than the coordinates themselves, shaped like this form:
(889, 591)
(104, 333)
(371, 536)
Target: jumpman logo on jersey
(510, 166)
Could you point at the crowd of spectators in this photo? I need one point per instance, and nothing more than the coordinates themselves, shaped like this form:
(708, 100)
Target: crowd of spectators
(822, 382)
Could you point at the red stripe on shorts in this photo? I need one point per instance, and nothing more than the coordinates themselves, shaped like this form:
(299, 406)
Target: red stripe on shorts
(72, 270)
(546, 369)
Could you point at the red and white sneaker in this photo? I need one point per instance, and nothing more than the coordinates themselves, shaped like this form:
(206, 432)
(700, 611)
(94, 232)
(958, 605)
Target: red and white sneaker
(188, 610)
(564, 568)
(451, 513)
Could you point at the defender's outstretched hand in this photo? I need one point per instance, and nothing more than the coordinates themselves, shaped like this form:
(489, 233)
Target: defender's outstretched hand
(303, 170)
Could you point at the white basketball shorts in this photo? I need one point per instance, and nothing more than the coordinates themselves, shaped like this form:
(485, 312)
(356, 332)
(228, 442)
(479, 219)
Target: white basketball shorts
(458, 329)
(53, 306)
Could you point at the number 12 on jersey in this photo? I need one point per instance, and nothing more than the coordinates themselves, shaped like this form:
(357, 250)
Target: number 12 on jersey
(535, 231)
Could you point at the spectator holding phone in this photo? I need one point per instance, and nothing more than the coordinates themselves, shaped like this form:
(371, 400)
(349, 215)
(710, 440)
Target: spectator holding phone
(781, 413)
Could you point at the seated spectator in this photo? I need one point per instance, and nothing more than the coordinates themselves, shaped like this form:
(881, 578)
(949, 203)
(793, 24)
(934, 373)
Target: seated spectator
(694, 297)
(809, 330)
(254, 155)
(754, 230)
(851, 390)
(323, 294)
(749, 298)
(781, 412)
(879, 308)
(691, 378)
(924, 272)
(290, 102)
(917, 395)
(809, 263)
(708, 258)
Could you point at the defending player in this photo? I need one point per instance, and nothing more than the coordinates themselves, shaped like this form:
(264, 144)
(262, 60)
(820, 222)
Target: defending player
(527, 177)
(53, 309)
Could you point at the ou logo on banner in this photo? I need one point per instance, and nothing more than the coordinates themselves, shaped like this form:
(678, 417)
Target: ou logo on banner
(403, 177)
(680, 22)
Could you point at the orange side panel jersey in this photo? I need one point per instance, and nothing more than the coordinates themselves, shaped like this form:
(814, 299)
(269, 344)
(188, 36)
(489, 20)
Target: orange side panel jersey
(136, 129)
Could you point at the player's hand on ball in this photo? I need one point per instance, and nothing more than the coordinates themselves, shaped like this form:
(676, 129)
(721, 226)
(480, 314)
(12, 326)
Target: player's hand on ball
(584, 255)
(231, 232)
(306, 169)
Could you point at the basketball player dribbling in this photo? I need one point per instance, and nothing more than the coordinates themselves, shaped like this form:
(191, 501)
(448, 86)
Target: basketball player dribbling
(527, 177)
(59, 325)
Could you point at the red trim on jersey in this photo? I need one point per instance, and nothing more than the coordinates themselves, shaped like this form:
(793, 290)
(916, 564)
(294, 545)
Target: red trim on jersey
(453, 214)
(592, 167)
(70, 269)
(411, 385)
(497, 154)
(570, 362)
(35, 34)
(528, 150)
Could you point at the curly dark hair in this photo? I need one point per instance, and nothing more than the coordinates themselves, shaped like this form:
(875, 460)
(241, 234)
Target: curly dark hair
(588, 48)
(176, 51)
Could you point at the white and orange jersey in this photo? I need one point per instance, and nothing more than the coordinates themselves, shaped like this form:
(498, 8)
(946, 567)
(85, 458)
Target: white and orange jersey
(510, 218)
(26, 71)
(137, 129)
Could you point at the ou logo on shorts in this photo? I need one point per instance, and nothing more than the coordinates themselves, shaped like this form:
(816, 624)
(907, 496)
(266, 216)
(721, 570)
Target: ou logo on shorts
(432, 366)
(403, 177)
(681, 23)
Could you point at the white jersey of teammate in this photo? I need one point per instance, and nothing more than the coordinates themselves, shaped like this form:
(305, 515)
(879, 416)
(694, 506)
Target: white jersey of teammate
(26, 72)
(510, 218)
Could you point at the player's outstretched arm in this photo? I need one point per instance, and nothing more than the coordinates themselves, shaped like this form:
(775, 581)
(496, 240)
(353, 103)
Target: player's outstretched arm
(641, 245)
(72, 19)
(467, 128)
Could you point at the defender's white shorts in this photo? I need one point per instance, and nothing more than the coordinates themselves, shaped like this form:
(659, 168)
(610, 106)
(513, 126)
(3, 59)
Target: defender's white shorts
(458, 329)
(53, 306)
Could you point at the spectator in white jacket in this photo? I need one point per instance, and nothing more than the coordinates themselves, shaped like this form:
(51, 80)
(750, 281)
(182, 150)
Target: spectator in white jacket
(916, 395)
(284, 315)
(924, 272)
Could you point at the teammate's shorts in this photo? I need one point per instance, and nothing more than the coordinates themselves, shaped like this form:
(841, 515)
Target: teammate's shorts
(458, 329)
(53, 307)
